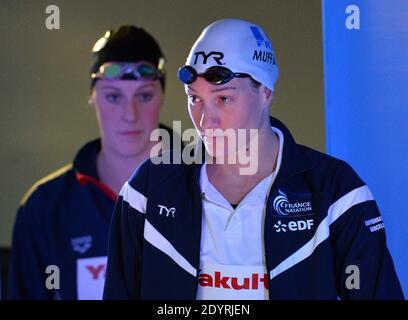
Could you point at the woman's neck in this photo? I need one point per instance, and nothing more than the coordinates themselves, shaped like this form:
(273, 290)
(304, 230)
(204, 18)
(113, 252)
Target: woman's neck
(262, 158)
(114, 169)
(229, 179)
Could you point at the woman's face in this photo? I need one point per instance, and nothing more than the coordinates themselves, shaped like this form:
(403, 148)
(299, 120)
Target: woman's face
(219, 111)
(127, 112)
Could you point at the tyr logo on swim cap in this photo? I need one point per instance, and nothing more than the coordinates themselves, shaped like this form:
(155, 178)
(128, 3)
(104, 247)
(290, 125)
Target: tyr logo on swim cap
(239, 45)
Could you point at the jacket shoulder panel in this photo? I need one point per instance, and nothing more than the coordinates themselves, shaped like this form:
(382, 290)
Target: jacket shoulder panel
(46, 184)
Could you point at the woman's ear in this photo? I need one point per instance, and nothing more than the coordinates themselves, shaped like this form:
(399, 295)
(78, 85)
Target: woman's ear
(267, 95)
(162, 99)
(91, 98)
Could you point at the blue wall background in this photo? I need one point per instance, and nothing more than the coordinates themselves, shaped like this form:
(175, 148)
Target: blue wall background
(366, 101)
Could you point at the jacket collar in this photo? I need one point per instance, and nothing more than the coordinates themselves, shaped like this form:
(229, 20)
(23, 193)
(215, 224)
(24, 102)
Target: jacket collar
(85, 159)
(294, 161)
(86, 171)
(85, 164)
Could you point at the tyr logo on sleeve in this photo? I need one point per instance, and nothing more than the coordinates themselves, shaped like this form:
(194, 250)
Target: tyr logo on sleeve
(166, 210)
(91, 278)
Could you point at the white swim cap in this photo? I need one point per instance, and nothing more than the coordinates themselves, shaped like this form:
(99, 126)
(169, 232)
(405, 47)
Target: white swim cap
(239, 45)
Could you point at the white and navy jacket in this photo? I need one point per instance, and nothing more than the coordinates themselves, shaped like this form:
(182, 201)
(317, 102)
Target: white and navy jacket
(156, 255)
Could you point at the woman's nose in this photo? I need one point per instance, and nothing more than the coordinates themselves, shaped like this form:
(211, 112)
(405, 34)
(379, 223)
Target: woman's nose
(130, 113)
(209, 118)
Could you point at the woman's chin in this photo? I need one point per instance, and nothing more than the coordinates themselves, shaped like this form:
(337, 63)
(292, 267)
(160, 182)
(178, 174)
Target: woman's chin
(131, 150)
(221, 155)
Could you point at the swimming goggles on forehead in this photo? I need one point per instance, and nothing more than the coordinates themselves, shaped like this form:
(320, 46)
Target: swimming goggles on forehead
(125, 70)
(214, 75)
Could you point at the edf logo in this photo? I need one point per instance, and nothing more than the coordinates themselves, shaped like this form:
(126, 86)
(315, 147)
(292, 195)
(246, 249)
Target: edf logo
(217, 56)
(299, 225)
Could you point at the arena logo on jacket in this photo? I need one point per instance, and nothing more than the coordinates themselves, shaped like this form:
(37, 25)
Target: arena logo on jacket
(81, 244)
(91, 278)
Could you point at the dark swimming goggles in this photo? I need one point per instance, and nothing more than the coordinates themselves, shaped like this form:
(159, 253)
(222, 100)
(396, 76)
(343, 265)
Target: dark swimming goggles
(124, 70)
(214, 75)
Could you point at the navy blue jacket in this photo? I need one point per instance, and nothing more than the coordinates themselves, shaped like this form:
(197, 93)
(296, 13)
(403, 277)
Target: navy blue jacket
(153, 255)
(64, 221)
(63, 218)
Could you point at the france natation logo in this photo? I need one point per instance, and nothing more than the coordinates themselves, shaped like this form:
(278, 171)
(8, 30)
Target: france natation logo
(284, 207)
(280, 202)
